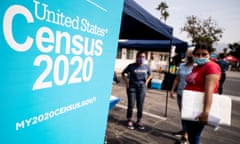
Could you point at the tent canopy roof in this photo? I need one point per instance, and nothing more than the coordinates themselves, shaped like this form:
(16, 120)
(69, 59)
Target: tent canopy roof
(154, 45)
(141, 30)
(137, 23)
(231, 58)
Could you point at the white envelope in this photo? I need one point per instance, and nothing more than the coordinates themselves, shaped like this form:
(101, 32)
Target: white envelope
(220, 112)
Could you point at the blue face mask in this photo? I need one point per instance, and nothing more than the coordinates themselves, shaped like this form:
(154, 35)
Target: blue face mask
(140, 60)
(200, 61)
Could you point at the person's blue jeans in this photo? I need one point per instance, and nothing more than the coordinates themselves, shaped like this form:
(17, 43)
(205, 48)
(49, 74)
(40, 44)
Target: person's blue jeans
(135, 94)
(194, 130)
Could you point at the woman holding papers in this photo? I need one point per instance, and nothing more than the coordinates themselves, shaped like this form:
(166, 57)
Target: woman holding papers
(204, 78)
(179, 84)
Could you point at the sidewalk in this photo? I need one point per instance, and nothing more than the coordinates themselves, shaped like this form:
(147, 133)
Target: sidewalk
(159, 125)
(233, 74)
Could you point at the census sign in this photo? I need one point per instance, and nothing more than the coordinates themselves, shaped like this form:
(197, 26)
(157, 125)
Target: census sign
(54, 56)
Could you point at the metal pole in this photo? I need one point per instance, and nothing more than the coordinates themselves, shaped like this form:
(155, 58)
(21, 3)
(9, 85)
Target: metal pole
(168, 81)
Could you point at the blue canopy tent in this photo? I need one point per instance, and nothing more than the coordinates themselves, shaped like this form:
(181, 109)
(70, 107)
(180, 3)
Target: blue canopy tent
(141, 30)
(137, 23)
(154, 45)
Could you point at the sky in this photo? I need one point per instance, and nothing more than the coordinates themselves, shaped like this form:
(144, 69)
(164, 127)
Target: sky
(226, 13)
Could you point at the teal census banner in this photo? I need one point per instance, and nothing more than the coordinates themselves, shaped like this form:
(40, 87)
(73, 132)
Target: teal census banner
(56, 69)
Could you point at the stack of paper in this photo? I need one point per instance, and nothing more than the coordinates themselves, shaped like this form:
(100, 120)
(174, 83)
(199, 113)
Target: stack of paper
(220, 112)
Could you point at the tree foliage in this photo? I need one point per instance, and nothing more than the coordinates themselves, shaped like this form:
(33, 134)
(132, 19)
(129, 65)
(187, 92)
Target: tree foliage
(162, 7)
(202, 31)
(235, 49)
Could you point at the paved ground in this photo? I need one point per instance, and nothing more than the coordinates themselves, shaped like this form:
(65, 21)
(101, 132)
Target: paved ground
(161, 122)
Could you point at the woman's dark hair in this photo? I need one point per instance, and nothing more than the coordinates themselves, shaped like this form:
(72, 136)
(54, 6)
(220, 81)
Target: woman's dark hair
(139, 53)
(203, 46)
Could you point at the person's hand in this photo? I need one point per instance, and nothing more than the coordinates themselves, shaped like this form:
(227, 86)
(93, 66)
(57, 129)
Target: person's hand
(146, 84)
(203, 117)
(172, 94)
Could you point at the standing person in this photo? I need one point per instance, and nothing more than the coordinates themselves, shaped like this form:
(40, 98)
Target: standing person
(179, 82)
(224, 66)
(204, 78)
(136, 77)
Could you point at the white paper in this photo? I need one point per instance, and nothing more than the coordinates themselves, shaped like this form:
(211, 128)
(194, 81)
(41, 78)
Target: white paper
(220, 112)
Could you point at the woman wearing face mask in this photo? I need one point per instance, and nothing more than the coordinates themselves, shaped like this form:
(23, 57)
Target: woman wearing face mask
(179, 82)
(204, 78)
(136, 77)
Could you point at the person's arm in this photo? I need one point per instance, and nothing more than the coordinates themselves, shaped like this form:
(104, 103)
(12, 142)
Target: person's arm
(149, 76)
(175, 83)
(125, 79)
(211, 81)
(148, 79)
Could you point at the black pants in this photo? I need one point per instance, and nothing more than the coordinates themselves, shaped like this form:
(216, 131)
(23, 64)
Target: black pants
(220, 89)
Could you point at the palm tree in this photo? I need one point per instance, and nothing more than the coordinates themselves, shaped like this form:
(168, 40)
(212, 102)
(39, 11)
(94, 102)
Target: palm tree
(162, 7)
(165, 16)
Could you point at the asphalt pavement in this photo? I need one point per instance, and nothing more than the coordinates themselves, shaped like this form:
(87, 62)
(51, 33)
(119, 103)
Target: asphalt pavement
(161, 118)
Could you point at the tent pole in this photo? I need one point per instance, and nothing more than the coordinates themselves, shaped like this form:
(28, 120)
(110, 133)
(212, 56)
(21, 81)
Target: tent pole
(168, 82)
